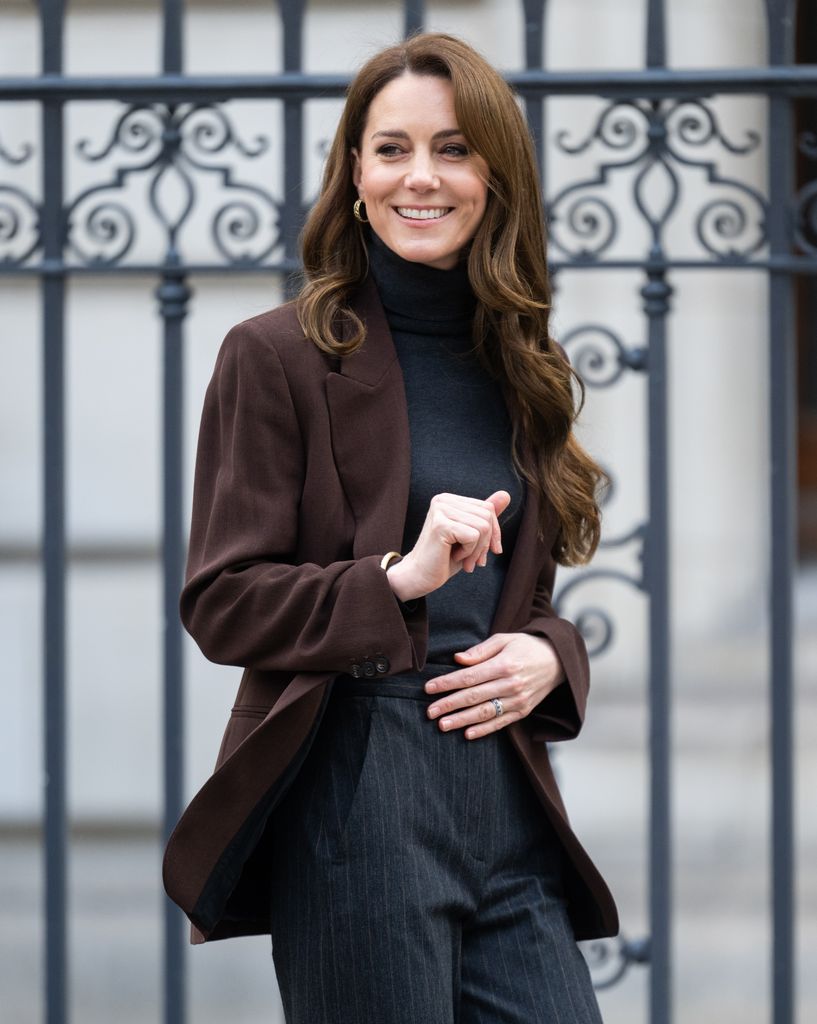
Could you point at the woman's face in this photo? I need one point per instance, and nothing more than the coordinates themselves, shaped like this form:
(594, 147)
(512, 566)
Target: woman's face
(425, 191)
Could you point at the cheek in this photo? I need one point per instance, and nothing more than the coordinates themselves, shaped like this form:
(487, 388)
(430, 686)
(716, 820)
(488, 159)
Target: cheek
(480, 203)
(481, 188)
(375, 183)
(478, 193)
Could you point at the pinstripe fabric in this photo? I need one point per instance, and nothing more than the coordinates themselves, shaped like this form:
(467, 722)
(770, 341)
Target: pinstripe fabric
(415, 879)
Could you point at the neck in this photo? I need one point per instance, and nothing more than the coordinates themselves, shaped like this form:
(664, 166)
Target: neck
(423, 293)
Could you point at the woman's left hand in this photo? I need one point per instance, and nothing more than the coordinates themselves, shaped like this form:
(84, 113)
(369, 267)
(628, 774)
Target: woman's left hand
(517, 669)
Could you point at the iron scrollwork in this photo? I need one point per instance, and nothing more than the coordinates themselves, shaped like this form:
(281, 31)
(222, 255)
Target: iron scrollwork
(805, 202)
(601, 358)
(610, 959)
(656, 139)
(175, 145)
(595, 624)
(19, 213)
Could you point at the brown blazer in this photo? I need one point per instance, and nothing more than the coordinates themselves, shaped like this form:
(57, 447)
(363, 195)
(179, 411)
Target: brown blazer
(301, 486)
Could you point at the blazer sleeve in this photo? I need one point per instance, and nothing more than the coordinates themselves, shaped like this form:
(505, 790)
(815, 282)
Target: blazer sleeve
(561, 714)
(246, 600)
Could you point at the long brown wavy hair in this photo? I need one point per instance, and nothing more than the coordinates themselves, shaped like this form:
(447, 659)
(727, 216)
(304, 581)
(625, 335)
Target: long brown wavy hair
(507, 268)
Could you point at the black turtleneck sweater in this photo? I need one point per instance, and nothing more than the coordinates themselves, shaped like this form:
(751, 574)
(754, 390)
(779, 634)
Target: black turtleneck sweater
(459, 427)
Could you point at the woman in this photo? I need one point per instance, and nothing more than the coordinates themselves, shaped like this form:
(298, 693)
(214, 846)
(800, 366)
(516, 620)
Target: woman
(386, 477)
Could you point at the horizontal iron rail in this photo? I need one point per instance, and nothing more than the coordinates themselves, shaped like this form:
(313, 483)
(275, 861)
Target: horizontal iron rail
(782, 264)
(800, 80)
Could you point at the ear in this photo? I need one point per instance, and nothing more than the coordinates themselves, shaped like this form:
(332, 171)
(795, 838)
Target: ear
(356, 173)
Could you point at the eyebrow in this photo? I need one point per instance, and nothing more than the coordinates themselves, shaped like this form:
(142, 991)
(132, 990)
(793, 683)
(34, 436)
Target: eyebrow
(398, 133)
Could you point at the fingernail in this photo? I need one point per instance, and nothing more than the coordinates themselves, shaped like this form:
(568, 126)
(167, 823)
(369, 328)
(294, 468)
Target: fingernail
(430, 687)
(433, 712)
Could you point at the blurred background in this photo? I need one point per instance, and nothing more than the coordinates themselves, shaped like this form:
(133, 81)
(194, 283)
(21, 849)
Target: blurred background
(142, 214)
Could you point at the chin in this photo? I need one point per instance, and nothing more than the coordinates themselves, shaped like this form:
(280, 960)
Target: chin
(442, 258)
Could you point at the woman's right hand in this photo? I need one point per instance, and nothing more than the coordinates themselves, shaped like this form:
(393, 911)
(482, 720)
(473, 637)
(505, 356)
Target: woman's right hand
(458, 533)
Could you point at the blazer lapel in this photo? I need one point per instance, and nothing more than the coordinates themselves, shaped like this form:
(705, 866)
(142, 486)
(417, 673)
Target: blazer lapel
(370, 432)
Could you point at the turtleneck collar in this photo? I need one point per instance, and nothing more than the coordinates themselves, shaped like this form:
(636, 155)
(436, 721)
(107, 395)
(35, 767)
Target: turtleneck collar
(418, 292)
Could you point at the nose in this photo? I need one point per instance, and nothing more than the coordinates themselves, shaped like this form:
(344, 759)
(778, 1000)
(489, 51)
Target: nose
(421, 175)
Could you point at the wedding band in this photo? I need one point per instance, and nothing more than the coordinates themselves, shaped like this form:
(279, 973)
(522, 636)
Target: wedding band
(497, 703)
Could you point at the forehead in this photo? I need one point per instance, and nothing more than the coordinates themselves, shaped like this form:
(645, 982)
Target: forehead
(413, 100)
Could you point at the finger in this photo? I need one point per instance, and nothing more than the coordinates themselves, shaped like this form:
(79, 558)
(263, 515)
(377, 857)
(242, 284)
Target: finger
(477, 518)
(473, 732)
(472, 549)
(458, 506)
(463, 538)
(484, 650)
(468, 557)
(469, 697)
(499, 501)
(456, 503)
(482, 712)
(479, 720)
(479, 558)
(464, 678)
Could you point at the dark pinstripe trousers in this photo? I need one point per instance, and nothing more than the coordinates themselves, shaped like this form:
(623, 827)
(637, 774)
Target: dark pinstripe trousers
(415, 879)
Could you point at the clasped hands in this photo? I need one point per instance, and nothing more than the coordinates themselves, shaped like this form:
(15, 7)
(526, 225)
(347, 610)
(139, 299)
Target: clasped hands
(518, 669)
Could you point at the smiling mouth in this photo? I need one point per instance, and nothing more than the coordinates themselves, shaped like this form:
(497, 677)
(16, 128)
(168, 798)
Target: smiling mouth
(435, 213)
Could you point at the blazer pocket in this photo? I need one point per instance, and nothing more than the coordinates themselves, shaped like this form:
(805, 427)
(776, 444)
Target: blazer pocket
(242, 723)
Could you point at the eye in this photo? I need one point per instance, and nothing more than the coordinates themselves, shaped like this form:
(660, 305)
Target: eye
(388, 149)
(455, 149)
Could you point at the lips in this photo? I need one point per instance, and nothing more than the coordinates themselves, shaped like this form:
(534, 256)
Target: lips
(430, 213)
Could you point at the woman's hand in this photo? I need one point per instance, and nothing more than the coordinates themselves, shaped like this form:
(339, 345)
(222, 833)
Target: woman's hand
(458, 533)
(518, 669)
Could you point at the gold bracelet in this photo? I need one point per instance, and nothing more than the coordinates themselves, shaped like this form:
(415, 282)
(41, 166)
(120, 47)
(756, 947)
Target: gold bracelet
(389, 559)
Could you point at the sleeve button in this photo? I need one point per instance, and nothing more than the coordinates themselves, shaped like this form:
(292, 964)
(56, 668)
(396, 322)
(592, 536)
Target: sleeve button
(382, 664)
(356, 671)
(368, 669)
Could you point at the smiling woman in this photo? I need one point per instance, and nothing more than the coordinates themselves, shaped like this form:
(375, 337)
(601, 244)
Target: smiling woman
(424, 190)
(386, 478)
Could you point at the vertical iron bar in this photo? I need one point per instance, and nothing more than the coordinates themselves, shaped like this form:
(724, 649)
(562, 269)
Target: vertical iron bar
(56, 839)
(173, 295)
(656, 34)
(172, 50)
(292, 213)
(783, 441)
(534, 11)
(55, 740)
(414, 16)
(656, 294)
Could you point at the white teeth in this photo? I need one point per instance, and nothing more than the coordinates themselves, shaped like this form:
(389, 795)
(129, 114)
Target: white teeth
(412, 214)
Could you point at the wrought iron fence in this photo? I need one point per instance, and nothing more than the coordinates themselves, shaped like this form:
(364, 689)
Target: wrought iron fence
(654, 123)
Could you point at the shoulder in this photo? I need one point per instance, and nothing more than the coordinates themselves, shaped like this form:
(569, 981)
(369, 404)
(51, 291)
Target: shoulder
(273, 338)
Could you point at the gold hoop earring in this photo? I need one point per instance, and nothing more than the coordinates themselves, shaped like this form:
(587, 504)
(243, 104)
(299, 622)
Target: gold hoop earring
(357, 208)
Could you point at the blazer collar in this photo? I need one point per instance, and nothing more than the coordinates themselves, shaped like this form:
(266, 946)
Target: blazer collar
(377, 354)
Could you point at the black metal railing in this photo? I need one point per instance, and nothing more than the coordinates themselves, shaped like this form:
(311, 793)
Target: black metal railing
(180, 124)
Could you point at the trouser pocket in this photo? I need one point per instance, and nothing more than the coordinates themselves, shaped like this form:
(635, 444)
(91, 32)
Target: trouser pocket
(318, 813)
